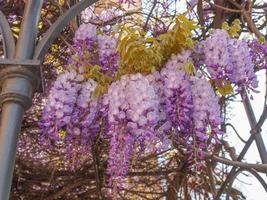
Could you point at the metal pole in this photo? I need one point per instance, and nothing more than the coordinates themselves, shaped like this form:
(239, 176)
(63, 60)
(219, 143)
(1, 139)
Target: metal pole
(18, 84)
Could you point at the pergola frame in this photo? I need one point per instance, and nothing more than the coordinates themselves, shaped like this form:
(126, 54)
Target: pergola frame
(21, 76)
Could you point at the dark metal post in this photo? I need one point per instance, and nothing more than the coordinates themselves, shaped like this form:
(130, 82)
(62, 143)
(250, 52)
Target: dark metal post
(18, 84)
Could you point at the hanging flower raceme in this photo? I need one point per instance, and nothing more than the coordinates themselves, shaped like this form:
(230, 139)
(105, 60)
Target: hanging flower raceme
(108, 55)
(132, 108)
(243, 68)
(60, 104)
(177, 99)
(84, 45)
(85, 117)
(191, 106)
(71, 112)
(92, 49)
(164, 125)
(206, 116)
(227, 60)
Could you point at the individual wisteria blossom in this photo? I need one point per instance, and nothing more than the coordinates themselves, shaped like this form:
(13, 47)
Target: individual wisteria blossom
(225, 60)
(85, 31)
(133, 113)
(109, 14)
(88, 14)
(206, 115)
(180, 60)
(259, 53)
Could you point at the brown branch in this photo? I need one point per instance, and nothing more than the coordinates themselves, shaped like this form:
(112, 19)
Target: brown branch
(258, 167)
(227, 9)
(150, 14)
(246, 14)
(68, 188)
(95, 161)
(230, 150)
(218, 19)
(211, 178)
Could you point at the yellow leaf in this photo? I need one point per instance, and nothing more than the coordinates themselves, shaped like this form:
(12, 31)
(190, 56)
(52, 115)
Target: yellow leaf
(150, 40)
(262, 39)
(225, 26)
(225, 89)
(62, 134)
(189, 68)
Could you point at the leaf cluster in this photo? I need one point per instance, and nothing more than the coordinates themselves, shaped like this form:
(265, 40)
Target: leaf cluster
(142, 54)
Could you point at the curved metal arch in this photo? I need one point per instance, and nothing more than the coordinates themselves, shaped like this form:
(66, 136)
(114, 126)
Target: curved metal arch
(8, 40)
(251, 171)
(54, 31)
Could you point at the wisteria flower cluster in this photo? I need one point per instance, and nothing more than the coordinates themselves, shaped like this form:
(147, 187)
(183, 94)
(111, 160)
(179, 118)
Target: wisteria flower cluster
(206, 116)
(192, 107)
(133, 113)
(95, 49)
(142, 112)
(227, 60)
(71, 112)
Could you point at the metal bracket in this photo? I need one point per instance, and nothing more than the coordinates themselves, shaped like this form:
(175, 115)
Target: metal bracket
(30, 64)
(54, 31)
(8, 40)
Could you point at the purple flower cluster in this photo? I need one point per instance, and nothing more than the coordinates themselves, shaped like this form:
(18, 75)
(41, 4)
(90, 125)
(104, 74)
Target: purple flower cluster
(243, 68)
(84, 122)
(133, 113)
(93, 49)
(227, 59)
(206, 115)
(192, 108)
(177, 99)
(71, 109)
(60, 104)
(85, 48)
(169, 106)
(85, 31)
